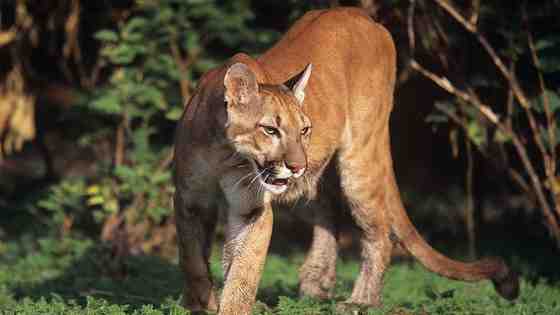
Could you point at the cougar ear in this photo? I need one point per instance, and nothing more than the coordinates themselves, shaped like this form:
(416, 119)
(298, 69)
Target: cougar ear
(299, 82)
(241, 84)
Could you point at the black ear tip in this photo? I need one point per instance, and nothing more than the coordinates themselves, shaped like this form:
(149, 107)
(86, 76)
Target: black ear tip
(507, 286)
(300, 79)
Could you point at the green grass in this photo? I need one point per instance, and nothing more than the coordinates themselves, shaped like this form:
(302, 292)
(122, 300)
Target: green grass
(77, 277)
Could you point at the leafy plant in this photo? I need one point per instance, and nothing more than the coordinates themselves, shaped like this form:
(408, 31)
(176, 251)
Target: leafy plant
(150, 61)
(64, 201)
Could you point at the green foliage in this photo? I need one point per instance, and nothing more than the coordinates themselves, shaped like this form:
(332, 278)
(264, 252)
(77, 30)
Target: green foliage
(148, 59)
(553, 100)
(148, 179)
(93, 307)
(305, 306)
(145, 81)
(547, 51)
(473, 124)
(102, 197)
(476, 132)
(64, 199)
(68, 276)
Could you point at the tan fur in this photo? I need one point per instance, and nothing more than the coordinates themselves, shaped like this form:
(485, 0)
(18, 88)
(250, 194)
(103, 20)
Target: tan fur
(224, 140)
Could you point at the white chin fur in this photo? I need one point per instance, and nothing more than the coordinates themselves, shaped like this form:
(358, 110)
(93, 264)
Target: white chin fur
(275, 189)
(299, 173)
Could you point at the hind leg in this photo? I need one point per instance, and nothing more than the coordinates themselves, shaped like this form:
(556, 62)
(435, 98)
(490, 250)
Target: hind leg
(365, 185)
(317, 275)
(195, 230)
(376, 257)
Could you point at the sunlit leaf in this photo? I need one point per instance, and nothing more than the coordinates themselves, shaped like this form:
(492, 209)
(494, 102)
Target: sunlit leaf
(548, 41)
(501, 137)
(107, 103)
(476, 132)
(93, 190)
(95, 200)
(134, 24)
(175, 113)
(106, 36)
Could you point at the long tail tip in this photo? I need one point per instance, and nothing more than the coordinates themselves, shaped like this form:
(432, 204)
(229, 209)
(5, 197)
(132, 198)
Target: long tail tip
(507, 285)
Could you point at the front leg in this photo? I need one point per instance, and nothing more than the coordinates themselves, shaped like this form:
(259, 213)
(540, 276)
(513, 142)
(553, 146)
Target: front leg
(195, 231)
(248, 238)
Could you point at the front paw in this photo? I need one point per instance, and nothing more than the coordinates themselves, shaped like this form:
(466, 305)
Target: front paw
(200, 303)
(314, 290)
(318, 287)
(317, 281)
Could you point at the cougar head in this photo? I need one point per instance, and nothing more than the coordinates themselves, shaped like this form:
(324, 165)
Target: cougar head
(267, 126)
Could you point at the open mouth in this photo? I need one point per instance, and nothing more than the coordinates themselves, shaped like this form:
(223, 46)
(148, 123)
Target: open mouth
(268, 179)
(276, 181)
(275, 186)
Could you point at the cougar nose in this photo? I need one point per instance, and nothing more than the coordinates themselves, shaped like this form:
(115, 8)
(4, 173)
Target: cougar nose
(295, 168)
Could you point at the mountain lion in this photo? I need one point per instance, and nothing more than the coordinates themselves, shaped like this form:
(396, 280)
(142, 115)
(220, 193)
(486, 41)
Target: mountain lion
(307, 120)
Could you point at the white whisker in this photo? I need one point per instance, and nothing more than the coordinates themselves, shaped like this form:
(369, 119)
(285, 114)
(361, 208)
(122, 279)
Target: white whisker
(257, 176)
(260, 189)
(266, 178)
(241, 179)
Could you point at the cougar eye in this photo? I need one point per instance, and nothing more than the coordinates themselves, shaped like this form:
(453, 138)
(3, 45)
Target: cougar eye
(270, 130)
(305, 131)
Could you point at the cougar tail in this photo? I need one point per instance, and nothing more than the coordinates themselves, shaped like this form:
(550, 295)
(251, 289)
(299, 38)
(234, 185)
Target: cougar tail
(505, 281)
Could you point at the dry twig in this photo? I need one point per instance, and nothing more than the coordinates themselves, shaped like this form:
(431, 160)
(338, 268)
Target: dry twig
(550, 168)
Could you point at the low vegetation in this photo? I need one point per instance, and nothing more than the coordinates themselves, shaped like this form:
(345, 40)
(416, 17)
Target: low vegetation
(70, 276)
